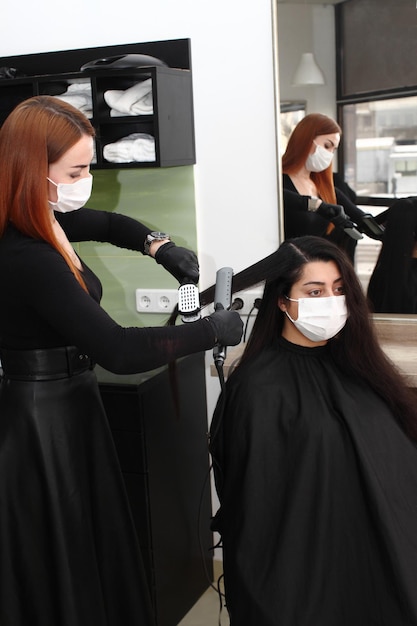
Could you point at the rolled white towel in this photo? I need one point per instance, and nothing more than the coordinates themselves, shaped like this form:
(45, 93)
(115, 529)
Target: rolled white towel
(79, 95)
(137, 100)
(137, 147)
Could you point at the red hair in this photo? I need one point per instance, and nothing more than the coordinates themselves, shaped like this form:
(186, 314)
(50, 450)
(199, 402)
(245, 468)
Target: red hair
(299, 147)
(37, 133)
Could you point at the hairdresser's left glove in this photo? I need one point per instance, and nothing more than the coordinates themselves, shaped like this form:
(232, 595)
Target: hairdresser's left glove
(180, 262)
(335, 213)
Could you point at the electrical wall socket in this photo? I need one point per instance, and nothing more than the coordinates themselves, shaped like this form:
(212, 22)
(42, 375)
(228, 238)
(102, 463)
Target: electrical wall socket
(156, 300)
(248, 297)
(164, 300)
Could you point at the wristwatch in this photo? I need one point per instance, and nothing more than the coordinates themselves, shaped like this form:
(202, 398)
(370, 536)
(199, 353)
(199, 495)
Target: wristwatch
(313, 203)
(154, 236)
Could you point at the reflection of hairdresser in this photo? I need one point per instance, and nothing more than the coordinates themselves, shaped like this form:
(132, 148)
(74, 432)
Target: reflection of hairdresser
(312, 203)
(393, 284)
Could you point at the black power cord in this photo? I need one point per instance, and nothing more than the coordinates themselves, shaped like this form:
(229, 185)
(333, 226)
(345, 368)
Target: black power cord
(256, 305)
(219, 362)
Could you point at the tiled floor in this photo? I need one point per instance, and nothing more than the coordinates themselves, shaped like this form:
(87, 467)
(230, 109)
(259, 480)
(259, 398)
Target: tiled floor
(207, 611)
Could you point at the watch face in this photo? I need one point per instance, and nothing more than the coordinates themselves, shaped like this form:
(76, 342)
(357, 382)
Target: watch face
(159, 235)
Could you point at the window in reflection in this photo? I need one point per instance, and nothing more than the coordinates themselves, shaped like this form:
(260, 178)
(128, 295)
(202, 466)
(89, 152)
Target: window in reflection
(380, 147)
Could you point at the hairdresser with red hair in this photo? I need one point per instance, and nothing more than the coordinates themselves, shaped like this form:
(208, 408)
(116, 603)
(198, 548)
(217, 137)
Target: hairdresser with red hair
(312, 203)
(69, 551)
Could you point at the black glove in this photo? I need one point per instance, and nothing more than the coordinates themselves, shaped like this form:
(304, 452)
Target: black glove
(335, 213)
(180, 262)
(227, 326)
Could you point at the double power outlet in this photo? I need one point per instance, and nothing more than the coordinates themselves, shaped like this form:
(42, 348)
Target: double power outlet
(156, 300)
(164, 300)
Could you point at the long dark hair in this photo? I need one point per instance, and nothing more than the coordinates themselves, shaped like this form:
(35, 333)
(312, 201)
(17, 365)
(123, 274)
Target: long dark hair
(355, 350)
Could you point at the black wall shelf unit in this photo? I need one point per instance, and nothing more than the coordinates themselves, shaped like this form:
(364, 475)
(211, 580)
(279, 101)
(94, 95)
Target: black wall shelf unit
(170, 121)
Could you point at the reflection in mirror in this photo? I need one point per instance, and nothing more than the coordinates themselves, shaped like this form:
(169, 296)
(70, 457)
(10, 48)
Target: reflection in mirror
(393, 283)
(388, 272)
(314, 203)
(379, 145)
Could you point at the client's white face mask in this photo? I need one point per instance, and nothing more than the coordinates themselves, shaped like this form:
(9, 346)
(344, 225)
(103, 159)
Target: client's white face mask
(320, 318)
(72, 196)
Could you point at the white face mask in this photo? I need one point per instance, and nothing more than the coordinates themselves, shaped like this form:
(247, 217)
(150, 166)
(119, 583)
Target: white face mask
(72, 196)
(319, 160)
(320, 318)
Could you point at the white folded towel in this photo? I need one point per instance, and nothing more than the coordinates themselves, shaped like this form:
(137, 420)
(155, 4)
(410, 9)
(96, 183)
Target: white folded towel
(137, 100)
(79, 95)
(137, 147)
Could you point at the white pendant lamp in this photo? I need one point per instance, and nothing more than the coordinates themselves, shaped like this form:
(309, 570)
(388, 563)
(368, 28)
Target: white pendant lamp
(308, 72)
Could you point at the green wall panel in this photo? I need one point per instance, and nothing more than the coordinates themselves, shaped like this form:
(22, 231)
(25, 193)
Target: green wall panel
(161, 198)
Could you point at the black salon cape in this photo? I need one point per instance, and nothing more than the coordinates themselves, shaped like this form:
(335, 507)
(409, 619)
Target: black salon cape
(318, 492)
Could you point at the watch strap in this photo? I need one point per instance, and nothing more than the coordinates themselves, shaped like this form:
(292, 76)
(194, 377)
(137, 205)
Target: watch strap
(313, 203)
(154, 236)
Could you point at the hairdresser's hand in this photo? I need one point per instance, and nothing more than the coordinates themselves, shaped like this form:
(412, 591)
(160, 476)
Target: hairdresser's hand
(227, 326)
(180, 262)
(335, 213)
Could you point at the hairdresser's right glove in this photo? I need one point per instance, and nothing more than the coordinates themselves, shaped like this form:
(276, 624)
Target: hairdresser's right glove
(180, 262)
(335, 213)
(227, 326)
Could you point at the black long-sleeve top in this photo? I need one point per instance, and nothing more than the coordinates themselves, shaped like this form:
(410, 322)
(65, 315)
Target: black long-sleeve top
(298, 221)
(44, 306)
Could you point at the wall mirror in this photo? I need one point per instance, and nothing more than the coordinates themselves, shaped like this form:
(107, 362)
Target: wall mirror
(374, 89)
